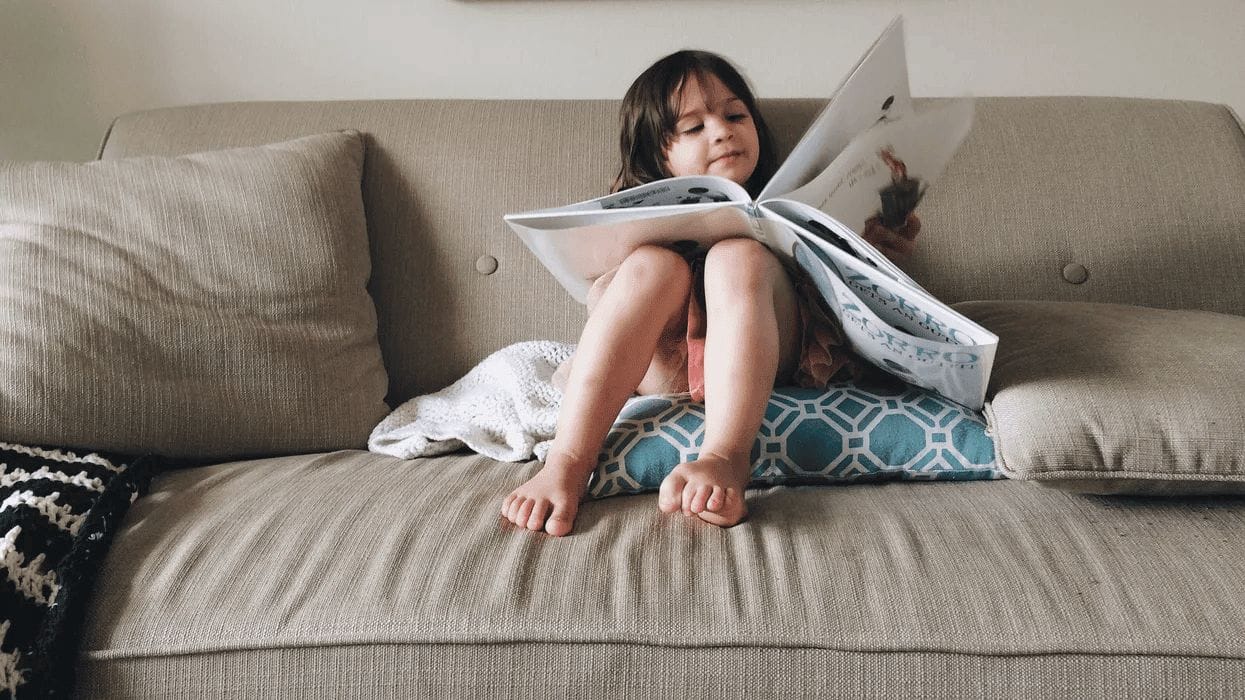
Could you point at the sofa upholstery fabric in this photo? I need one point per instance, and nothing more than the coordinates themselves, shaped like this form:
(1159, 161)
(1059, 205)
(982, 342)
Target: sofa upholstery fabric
(1108, 398)
(542, 670)
(1144, 194)
(347, 573)
(278, 554)
(207, 306)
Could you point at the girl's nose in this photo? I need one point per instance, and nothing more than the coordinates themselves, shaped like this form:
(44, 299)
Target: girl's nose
(721, 130)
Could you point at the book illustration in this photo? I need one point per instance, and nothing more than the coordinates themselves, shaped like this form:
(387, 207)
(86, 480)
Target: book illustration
(696, 195)
(899, 199)
(834, 239)
(660, 197)
(899, 329)
(874, 91)
(894, 227)
(895, 366)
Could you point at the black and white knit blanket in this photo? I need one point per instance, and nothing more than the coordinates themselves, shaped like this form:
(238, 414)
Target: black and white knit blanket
(58, 512)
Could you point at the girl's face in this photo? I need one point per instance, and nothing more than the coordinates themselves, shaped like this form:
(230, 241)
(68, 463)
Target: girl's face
(714, 133)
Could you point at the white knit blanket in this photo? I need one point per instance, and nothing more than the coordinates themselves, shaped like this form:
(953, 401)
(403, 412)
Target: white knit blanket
(505, 408)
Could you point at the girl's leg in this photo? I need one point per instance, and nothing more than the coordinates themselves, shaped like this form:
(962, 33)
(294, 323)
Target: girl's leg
(647, 296)
(753, 337)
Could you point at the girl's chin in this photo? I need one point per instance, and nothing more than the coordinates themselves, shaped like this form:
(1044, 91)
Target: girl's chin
(736, 172)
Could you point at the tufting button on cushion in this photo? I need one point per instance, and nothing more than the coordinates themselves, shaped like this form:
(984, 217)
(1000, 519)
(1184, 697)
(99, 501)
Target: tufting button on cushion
(1075, 273)
(486, 264)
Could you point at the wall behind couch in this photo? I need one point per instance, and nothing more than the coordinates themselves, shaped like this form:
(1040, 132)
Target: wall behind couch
(68, 66)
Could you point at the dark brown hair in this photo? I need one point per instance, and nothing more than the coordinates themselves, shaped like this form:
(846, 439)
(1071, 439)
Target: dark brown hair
(650, 110)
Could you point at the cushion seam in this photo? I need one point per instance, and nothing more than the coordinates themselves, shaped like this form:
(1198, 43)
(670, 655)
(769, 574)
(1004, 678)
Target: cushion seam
(96, 656)
(103, 142)
(1236, 117)
(1056, 473)
(996, 437)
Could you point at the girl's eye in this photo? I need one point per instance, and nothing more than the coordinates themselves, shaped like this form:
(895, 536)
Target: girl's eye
(737, 117)
(694, 129)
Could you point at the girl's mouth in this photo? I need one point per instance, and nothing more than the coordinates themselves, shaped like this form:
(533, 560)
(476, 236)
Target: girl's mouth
(727, 157)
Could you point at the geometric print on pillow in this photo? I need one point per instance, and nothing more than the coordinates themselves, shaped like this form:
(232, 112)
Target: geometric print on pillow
(843, 434)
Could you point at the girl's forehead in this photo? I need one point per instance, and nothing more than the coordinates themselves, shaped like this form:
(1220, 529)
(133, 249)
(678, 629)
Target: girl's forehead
(701, 91)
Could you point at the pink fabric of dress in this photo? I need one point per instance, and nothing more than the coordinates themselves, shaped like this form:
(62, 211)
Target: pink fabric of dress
(823, 351)
(695, 349)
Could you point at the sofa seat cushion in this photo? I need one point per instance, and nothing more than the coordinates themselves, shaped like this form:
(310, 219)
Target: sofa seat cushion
(315, 556)
(1110, 398)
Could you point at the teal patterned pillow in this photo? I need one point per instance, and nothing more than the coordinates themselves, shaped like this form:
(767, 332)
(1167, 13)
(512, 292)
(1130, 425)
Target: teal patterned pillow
(847, 433)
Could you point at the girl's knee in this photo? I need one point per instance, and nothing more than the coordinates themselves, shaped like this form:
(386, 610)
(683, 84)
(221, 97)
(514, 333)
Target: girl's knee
(656, 268)
(742, 264)
(648, 272)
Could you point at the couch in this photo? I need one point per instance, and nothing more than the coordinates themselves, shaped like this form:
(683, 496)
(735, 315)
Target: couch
(280, 570)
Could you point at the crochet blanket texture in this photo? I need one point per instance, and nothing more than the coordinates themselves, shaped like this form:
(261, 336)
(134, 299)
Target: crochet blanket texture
(58, 513)
(506, 408)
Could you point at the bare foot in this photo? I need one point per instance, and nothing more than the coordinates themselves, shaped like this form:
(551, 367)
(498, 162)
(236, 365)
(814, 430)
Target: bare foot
(549, 500)
(710, 488)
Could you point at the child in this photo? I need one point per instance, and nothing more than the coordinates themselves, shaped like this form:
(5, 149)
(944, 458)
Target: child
(690, 113)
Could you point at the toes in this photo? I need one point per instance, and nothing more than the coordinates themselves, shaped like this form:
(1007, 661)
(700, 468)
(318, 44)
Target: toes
(733, 511)
(671, 493)
(721, 520)
(512, 511)
(715, 499)
(688, 495)
(523, 512)
(538, 514)
(700, 497)
(536, 521)
(561, 520)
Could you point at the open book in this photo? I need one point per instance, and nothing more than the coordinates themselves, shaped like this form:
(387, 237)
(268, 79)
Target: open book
(867, 155)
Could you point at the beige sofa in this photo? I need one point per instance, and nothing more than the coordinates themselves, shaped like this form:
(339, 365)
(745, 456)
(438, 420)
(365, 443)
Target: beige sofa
(350, 574)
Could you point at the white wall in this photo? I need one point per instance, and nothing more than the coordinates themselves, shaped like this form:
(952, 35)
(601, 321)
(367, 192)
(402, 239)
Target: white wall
(68, 66)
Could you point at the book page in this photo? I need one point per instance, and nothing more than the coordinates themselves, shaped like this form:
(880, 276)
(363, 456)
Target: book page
(885, 171)
(899, 329)
(689, 189)
(876, 88)
(905, 308)
(816, 222)
(580, 246)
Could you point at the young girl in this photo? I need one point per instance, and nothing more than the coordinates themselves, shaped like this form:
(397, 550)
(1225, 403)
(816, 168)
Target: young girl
(690, 113)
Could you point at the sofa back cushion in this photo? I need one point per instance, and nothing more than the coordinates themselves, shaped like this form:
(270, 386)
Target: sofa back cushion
(1058, 198)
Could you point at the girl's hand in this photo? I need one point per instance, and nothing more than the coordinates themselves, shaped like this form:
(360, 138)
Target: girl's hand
(897, 244)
